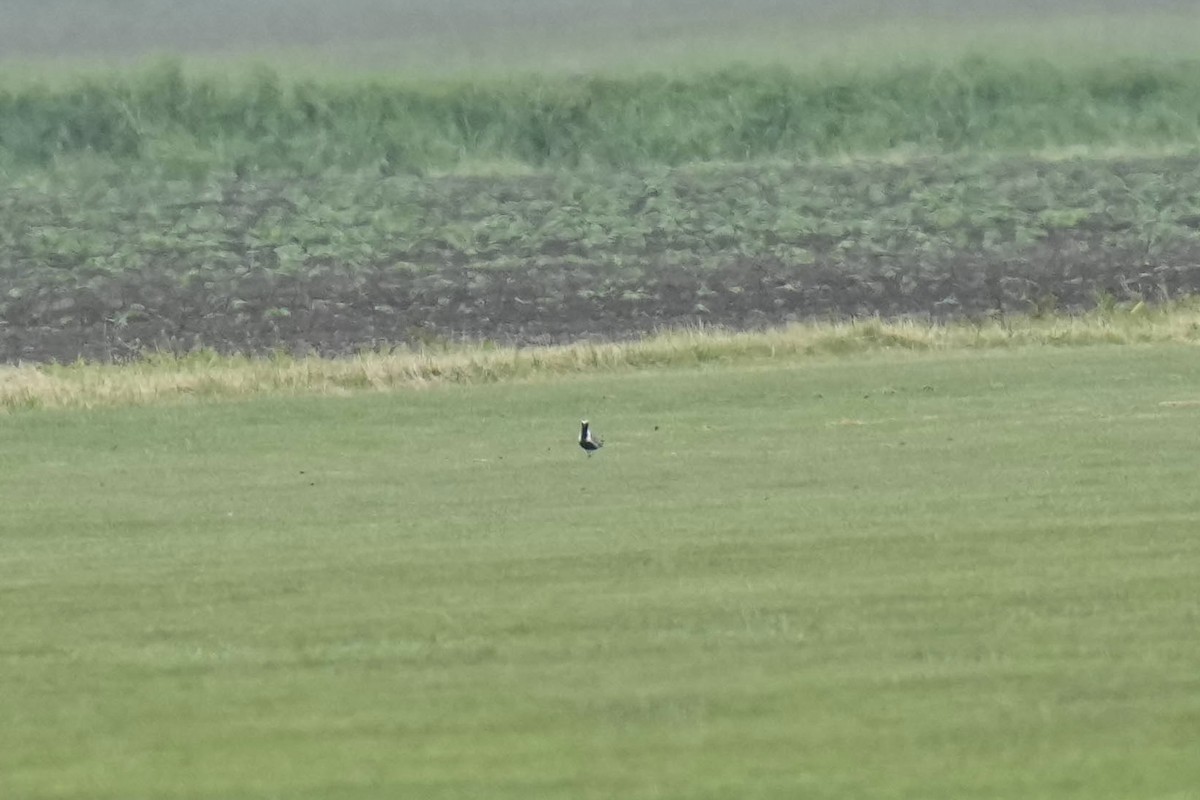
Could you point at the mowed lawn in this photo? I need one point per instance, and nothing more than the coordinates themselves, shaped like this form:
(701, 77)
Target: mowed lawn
(915, 576)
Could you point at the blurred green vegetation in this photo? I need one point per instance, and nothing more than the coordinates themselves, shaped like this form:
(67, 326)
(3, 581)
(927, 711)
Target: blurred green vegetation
(189, 124)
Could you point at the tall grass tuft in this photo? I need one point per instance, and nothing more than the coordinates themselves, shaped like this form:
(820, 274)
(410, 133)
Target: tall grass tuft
(259, 120)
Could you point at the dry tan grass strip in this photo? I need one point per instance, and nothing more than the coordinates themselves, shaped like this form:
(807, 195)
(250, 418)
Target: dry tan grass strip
(208, 376)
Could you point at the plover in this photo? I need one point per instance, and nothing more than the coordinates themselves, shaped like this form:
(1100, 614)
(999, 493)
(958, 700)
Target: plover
(588, 442)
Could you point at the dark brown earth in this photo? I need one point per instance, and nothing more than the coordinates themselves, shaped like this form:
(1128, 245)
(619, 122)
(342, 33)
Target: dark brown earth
(382, 307)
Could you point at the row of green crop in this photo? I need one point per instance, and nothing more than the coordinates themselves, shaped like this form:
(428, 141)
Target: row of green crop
(104, 264)
(75, 227)
(192, 124)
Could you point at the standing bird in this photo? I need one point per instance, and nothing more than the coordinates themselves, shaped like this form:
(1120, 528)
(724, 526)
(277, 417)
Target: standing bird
(588, 442)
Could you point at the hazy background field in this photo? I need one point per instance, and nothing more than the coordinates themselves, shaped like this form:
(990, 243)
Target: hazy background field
(474, 35)
(844, 560)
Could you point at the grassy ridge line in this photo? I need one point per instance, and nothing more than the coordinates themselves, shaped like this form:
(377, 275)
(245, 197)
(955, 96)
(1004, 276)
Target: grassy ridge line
(208, 376)
(192, 124)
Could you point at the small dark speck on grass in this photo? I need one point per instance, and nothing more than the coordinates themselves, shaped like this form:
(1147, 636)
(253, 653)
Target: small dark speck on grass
(927, 388)
(655, 427)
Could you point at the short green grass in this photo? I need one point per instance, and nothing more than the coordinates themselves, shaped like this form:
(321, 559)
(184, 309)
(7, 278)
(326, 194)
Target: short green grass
(921, 575)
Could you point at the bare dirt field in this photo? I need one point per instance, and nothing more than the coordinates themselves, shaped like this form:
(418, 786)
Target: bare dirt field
(383, 308)
(538, 260)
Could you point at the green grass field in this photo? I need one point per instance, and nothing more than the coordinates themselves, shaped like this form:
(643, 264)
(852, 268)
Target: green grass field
(938, 575)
